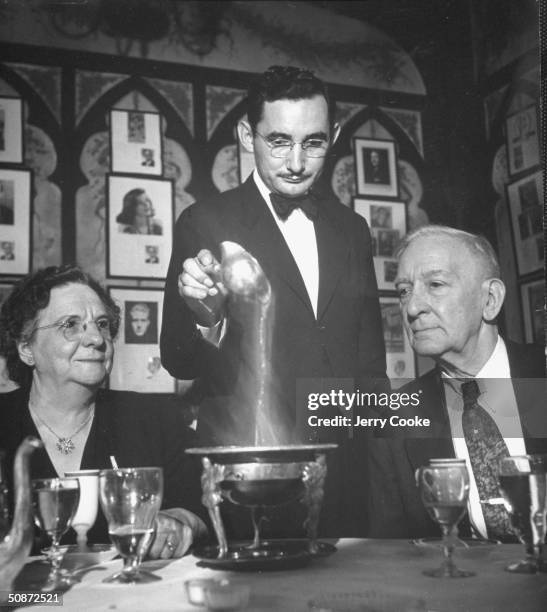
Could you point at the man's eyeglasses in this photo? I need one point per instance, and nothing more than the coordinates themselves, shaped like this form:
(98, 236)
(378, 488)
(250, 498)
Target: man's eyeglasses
(281, 147)
(74, 328)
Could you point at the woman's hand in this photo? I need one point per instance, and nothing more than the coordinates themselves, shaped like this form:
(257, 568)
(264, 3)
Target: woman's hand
(176, 530)
(172, 538)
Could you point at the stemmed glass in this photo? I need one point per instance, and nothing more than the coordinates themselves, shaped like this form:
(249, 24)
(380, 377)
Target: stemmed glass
(523, 484)
(86, 513)
(444, 488)
(54, 502)
(130, 499)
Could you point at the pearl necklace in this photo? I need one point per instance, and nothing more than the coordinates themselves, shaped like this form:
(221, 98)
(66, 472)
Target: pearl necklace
(64, 445)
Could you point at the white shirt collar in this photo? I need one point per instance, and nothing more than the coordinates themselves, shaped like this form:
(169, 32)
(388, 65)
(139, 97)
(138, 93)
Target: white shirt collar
(497, 365)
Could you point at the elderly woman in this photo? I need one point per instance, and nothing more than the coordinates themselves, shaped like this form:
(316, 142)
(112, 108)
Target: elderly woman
(57, 331)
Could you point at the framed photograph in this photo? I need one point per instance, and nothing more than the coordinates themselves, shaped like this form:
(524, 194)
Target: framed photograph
(139, 226)
(387, 222)
(11, 130)
(375, 167)
(135, 142)
(399, 355)
(533, 311)
(15, 222)
(137, 365)
(525, 199)
(521, 129)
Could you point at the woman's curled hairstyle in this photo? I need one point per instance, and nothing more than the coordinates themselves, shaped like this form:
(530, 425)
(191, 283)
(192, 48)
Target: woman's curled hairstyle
(30, 295)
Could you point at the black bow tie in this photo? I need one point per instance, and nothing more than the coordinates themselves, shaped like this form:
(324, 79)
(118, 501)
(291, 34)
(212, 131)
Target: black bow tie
(284, 206)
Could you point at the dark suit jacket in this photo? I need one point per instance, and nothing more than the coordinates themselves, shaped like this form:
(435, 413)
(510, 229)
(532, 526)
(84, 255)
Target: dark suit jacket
(137, 431)
(395, 506)
(345, 341)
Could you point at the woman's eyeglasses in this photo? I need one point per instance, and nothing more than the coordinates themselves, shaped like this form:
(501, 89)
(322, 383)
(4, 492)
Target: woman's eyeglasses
(74, 328)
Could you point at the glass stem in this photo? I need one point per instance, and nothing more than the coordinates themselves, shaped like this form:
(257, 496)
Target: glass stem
(55, 557)
(131, 564)
(448, 547)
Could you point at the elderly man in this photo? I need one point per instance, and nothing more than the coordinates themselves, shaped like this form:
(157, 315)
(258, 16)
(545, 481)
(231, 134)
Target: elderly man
(316, 254)
(474, 405)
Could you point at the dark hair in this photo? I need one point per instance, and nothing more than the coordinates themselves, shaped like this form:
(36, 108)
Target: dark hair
(30, 295)
(130, 204)
(285, 83)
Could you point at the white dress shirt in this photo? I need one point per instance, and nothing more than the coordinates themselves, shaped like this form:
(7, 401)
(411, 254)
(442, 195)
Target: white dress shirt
(498, 399)
(299, 234)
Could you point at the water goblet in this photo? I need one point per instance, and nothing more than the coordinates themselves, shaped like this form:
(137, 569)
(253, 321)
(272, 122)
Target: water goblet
(523, 484)
(86, 513)
(444, 489)
(54, 503)
(130, 499)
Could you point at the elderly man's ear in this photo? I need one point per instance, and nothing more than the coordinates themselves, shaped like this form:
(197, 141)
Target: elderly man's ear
(494, 295)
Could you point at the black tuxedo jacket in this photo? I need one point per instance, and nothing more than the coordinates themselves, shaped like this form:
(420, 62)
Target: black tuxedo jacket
(394, 456)
(344, 342)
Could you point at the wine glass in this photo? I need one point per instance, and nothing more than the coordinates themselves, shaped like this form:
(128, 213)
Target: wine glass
(523, 484)
(130, 499)
(444, 488)
(54, 503)
(86, 513)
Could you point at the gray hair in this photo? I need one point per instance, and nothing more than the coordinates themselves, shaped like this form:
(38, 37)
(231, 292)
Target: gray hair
(478, 246)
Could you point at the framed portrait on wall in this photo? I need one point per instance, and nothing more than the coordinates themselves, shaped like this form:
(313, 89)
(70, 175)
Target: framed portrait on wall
(139, 226)
(11, 130)
(532, 296)
(521, 130)
(15, 222)
(137, 366)
(375, 167)
(525, 200)
(399, 354)
(387, 222)
(135, 142)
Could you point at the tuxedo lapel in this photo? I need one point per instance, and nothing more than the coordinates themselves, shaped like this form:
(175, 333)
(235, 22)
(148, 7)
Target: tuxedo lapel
(333, 250)
(266, 243)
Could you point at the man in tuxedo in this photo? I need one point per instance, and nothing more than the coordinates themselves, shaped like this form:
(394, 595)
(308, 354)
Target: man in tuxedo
(316, 255)
(450, 294)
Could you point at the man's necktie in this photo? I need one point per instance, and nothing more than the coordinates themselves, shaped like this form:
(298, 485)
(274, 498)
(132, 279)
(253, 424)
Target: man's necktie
(486, 448)
(284, 206)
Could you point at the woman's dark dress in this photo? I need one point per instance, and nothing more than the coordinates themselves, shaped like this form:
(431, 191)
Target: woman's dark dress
(137, 429)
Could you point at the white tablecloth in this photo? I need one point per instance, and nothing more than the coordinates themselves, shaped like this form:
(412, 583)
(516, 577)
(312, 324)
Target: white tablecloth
(359, 566)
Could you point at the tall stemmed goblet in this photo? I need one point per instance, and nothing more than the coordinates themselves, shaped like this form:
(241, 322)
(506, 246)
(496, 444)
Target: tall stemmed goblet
(86, 513)
(523, 484)
(130, 499)
(444, 488)
(54, 502)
